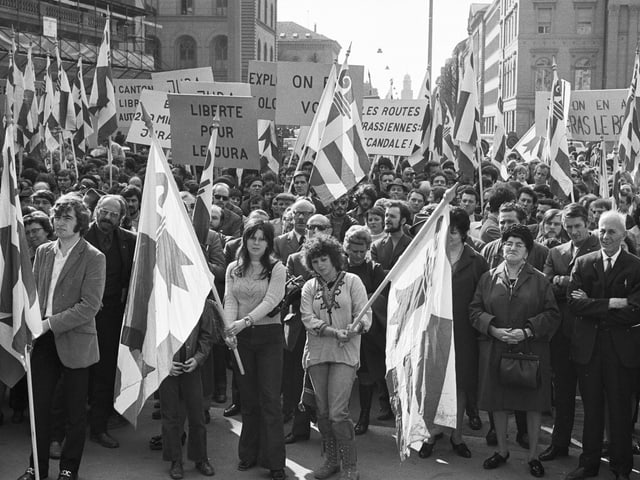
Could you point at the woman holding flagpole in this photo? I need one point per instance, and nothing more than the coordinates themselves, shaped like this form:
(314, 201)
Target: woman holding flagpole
(255, 285)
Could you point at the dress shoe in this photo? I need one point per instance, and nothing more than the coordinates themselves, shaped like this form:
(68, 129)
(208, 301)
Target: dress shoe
(207, 417)
(522, 439)
(220, 398)
(492, 438)
(156, 442)
(535, 468)
(104, 439)
(67, 475)
(277, 474)
(205, 468)
(461, 449)
(495, 460)
(552, 452)
(475, 423)
(55, 450)
(18, 416)
(362, 426)
(231, 411)
(291, 438)
(580, 473)
(176, 471)
(30, 474)
(426, 450)
(385, 414)
(246, 465)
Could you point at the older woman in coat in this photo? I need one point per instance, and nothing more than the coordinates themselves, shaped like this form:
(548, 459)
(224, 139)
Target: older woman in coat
(514, 302)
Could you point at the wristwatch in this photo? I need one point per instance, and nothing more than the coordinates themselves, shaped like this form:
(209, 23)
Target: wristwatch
(248, 322)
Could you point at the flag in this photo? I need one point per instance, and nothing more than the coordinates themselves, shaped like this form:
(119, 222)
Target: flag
(66, 110)
(314, 134)
(14, 87)
(420, 352)
(557, 147)
(20, 318)
(467, 126)
(342, 160)
(498, 157)
(604, 174)
(530, 147)
(81, 109)
(268, 145)
(437, 125)
(27, 121)
(390, 95)
(448, 147)
(204, 199)
(170, 282)
(629, 143)
(50, 111)
(103, 98)
(421, 147)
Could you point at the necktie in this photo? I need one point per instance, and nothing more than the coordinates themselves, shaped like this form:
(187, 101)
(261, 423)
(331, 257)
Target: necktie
(302, 239)
(607, 268)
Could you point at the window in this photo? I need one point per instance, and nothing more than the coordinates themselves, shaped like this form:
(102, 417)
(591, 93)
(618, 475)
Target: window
(270, 54)
(582, 79)
(543, 75)
(265, 12)
(544, 20)
(264, 52)
(186, 7)
(153, 47)
(221, 8)
(259, 50)
(273, 20)
(584, 21)
(187, 52)
(220, 49)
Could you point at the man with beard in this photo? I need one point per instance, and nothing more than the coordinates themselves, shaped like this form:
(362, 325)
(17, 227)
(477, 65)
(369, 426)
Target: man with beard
(340, 221)
(133, 196)
(118, 246)
(386, 252)
(365, 197)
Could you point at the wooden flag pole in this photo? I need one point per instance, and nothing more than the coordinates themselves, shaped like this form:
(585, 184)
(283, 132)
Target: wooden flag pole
(75, 160)
(32, 415)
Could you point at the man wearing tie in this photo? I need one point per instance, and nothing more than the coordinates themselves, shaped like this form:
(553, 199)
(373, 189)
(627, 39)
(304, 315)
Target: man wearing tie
(604, 294)
(291, 242)
(70, 278)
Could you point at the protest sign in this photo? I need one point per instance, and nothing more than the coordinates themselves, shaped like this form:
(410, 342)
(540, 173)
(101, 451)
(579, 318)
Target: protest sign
(191, 118)
(215, 88)
(157, 106)
(391, 127)
(300, 87)
(170, 81)
(127, 97)
(592, 114)
(262, 78)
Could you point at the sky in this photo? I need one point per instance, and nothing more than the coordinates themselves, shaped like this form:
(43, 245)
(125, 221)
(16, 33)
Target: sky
(398, 28)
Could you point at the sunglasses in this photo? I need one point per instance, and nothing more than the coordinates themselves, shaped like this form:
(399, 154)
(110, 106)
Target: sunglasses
(221, 197)
(320, 228)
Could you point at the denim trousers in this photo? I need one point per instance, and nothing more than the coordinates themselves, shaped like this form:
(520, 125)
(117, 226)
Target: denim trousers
(332, 383)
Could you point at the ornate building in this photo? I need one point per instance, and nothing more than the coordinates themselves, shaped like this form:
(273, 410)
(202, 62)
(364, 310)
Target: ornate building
(299, 44)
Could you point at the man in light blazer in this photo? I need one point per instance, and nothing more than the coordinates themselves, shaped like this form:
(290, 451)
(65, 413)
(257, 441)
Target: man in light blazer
(70, 279)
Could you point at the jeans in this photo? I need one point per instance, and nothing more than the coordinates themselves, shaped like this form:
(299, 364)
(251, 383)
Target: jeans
(332, 383)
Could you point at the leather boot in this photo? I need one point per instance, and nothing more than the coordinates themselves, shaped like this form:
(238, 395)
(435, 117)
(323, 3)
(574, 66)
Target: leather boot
(330, 450)
(345, 436)
(366, 394)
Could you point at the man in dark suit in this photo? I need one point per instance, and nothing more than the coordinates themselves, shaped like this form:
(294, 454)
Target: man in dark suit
(557, 268)
(490, 230)
(295, 337)
(118, 246)
(604, 294)
(290, 242)
(70, 279)
(231, 223)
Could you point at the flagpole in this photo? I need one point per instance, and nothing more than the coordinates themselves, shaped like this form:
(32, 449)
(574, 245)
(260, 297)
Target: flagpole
(75, 159)
(32, 415)
(446, 200)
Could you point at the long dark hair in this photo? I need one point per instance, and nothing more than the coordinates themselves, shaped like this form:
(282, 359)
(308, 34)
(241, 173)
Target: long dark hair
(243, 252)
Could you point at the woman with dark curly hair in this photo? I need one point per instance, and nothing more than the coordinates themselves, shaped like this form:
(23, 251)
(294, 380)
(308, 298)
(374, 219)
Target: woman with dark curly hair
(330, 303)
(254, 287)
(515, 310)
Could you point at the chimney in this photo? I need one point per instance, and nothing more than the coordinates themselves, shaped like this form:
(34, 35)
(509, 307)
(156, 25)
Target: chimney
(315, 28)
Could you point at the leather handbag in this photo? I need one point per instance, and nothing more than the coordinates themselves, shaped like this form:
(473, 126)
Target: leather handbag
(519, 369)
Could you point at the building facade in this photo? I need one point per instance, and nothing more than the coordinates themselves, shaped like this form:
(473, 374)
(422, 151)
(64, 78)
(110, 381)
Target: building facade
(516, 41)
(299, 44)
(222, 34)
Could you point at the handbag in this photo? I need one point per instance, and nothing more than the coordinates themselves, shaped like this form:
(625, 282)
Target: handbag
(519, 369)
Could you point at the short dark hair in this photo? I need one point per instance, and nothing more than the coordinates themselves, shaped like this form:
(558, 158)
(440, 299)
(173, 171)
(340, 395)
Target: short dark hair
(131, 191)
(41, 219)
(322, 245)
(601, 203)
(366, 189)
(73, 202)
(500, 195)
(527, 191)
(519, 231)
(469, 190)
(550, 202)
(575, 210)
(45, 195)
(404, 210)
(514, 207)
(459, 219)
(419, 192)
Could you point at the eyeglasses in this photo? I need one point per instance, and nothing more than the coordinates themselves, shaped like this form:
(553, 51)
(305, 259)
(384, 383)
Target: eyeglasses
(107, 213)
(32, 231)
(221, 197)
(320, 228)
(517, 245)
(302, 212)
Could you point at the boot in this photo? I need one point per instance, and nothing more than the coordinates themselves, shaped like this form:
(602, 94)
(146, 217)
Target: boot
(330, 450)
(345, 436)
(366, 394)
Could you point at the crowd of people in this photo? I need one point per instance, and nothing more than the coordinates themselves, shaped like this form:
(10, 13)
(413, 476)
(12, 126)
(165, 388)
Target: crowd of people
(552, 279)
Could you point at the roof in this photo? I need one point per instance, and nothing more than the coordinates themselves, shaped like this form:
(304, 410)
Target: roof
(292, 31)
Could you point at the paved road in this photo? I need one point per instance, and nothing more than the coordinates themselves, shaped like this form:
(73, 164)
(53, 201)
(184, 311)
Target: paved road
(377, 455)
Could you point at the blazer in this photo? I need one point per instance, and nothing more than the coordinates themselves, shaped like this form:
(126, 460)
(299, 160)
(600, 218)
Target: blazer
(285, 245)
(382, 251)
(490, 229)
(293, 326)
(230, 224)
(76, 300)
(593, 313)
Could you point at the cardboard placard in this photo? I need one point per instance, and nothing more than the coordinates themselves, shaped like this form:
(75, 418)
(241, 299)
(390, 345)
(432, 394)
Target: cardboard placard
(127, 97)
(157, 106)
(215, 88)
(391, 127)
(592, 114)
(301, 84)
(263, 77)
(191, 119)
(170, 81)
